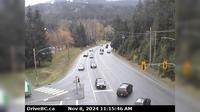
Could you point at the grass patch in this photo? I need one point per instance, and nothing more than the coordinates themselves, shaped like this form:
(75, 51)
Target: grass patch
(55, 70)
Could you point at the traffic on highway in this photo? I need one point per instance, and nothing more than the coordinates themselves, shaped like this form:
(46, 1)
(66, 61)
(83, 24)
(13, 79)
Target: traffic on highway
(106, 79)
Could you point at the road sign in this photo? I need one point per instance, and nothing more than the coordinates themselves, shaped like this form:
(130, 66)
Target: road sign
(186, 68)
(165, 64)
(143, 66)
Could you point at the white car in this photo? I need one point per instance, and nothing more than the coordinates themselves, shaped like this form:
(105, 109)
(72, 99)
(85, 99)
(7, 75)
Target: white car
(143, 101)
(93, 65)
(81, 68)
(85, 54)
(90, 50)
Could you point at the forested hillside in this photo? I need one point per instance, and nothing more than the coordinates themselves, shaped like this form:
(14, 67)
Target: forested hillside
(134, 40)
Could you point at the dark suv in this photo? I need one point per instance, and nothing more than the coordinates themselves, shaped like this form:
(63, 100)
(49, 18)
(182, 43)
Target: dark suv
(125, 89)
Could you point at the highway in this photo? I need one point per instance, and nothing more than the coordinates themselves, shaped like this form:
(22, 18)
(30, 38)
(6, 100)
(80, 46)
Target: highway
(114, 71)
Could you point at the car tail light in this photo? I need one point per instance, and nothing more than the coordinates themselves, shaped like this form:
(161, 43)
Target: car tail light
(126, 92)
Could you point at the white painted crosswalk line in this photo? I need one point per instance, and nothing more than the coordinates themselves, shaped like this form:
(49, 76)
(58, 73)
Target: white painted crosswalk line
(49, 90)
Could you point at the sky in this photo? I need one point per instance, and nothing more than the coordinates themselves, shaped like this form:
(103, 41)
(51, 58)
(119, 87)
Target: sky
(33, 2)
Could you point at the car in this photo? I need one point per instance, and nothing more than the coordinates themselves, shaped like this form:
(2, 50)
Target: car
(93, 65)
(81, 68)
(125, 89)
(143, 101)
(101, 53)
(91, 56)
(100, 83)
(106, 45)
(85, 54)
(108, 51)
(90, 50)
(28, 89)
(101, 50)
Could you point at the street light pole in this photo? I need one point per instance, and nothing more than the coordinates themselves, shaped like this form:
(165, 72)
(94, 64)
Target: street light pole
(35, 60)
(150, 48)
(155, 45)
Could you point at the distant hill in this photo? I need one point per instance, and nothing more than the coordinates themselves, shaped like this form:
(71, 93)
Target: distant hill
(116, 2)
(104, 11)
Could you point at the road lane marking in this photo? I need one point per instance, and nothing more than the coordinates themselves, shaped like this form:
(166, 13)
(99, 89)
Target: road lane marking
(99, 91)
(76, 102)
(101, 71)
(61, 102)
(91, 84)
(49, 90)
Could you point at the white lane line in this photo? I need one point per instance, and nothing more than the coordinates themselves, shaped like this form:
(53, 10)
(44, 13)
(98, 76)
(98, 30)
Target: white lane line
(62, 93)
(49, 90)
(104, 75)
(61, 102)
(99, 91)
(91, 84)
(76, 102)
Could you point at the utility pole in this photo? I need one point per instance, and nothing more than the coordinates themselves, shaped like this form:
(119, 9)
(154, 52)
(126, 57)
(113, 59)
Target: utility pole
(35, 63)
(155, 45)
(150, 48)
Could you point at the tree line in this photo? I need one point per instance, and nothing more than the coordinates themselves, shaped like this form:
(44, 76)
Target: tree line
(132, 36)
(62, 34)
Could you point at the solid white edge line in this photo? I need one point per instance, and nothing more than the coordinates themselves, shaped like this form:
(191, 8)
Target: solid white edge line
(76, 102)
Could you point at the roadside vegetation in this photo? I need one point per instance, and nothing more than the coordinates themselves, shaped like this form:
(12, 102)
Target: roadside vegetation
(54, 70)
(131, 37)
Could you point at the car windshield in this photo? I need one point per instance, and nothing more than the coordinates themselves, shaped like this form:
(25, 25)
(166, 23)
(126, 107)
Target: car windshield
(100, 81)
(123, 86)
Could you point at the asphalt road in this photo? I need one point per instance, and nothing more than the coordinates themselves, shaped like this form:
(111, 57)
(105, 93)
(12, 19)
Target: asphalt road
(114, 71)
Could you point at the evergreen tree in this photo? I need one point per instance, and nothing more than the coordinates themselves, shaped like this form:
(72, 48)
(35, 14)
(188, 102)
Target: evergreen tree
(35, 38)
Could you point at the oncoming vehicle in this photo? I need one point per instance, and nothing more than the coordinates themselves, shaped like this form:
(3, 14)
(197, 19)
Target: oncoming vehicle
(143, 101)
(28, 89)
(125, 89)
(81, 67)
(91, 50)
(100, 83)
(101, 50)
(106, 45)
(85, 54)
(93, 65)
